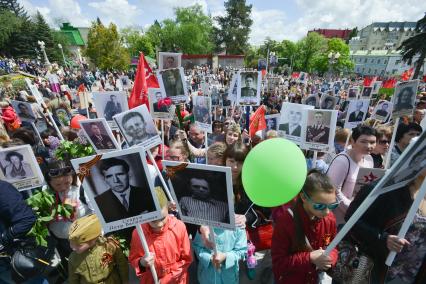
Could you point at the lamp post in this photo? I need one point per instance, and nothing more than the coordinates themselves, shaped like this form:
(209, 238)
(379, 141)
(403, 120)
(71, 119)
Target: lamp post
(63, 56)
(333, 58)
(43, 49)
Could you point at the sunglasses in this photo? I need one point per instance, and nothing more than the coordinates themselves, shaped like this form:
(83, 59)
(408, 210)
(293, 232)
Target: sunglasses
(321, 206)
(60, 172)
(383, 142)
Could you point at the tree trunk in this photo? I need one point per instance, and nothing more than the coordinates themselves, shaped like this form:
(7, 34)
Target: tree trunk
(419, 65)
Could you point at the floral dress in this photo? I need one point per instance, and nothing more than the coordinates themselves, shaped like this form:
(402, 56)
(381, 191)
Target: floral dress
(408, 262)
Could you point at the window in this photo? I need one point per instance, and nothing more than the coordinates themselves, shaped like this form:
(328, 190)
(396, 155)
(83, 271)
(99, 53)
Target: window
(372, 60)
(378, 61)
(365, 60)
(375, 71)
(397, 62)
(363, 70)
(385, 62)
(369, 70)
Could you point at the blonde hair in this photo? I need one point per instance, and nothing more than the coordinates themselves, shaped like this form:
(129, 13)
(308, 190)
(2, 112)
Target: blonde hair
(233, 127)
(341, 135)
(161, 196)
(384, 131)
(178, 144)
(217, 149)
(4, 137)
(271, 134)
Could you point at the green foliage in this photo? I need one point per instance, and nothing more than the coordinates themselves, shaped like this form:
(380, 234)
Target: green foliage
(9, 22)
(388, 92)
(234, 28)
(44, 205)
(105, 48)
(310, 49)
(190, 32)
(136, 41)
(415, 46)
(14, 7)
(344, 63)
(68, 150)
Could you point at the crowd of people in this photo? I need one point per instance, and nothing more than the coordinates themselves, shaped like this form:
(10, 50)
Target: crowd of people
(185, 253)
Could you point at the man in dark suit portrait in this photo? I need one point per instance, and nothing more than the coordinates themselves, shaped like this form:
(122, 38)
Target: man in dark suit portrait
(157, 108)
(366, 92)
(248, 90)
(100, 140)
(357, 115)
(172, 83)
(293, 126)
(122, 200)
(112, 108)
(134, 126)
(318, 132)
(383, 111)
(201, 111)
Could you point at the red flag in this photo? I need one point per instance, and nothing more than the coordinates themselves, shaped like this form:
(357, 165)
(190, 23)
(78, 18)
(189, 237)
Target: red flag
(424, 78)
(295, 75)
(389, 83)
(407, 74)
(257, 121)
(144, 79)
(368, 81)
(263, 73)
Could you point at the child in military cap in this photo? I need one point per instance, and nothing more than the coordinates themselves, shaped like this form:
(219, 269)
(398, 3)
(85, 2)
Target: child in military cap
(168, 243)
(95, 259)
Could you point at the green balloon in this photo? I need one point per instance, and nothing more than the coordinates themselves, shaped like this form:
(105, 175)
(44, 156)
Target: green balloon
(274, 172)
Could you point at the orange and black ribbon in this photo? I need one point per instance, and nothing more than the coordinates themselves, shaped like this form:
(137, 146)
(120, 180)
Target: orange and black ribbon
(84, 169)
(172, 170)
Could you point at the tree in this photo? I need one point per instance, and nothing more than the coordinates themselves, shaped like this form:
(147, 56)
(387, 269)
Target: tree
(234, 28)
(310, 48)
(43, 33)
(105, 48)
(9, 23)
(14, 7)
(135, 41)
(415, 46)
(343, 63)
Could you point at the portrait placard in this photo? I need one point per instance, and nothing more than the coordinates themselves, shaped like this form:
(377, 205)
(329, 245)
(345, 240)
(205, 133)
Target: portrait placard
(366, 92)
(318, 135)
(356, 113)
(312, 100)
(24, 110)
(292, 121)
(248, 91)
(202, 113)
(328, 102)
(382, 110)
(20, 168)
(303, 78)
(125, 82)
(108, 104)
(376, 87)
(272, 121)
(138, 128)
(404, 98)
(63, 116)
(367, 176)
(172, 83)
(120, 188)
(231, 97)
(203, 193)
(99, 135)
(353, 93)
(215, 95)
(160, 106)
(169, 60)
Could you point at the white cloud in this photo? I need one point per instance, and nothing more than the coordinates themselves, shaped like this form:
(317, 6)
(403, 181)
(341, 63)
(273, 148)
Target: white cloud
(120, 12)
(267, 23)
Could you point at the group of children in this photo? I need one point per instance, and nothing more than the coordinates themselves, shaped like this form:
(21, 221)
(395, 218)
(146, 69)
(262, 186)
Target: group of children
(301, 234)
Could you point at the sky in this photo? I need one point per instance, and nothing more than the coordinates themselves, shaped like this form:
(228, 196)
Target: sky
(277, 19)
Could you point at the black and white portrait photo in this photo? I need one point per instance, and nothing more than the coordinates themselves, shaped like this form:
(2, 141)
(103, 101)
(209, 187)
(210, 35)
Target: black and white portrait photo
(168, 60)
(20, 168)
(215, 95)
(404, 98)
(203, 193)
(353, 93)
(249, 87)
(108, 104)
(160, 106)
(328, 102)
(125, 82)
(232, 91)
(202, 113)
(292, 120)
(120, 186)
(320, 129)
(303, 78)
(172, 83)
(24, 111)
(382, 110)
(376, 87)
(63, 116)
(138, 128)
(366, 92)
(272, 121)
(99, 135)
(312, 100)
(356, 113)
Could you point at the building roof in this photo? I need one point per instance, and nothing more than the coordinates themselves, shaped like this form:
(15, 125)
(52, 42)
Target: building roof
(392, 26)
(73, 34)
(331, 33)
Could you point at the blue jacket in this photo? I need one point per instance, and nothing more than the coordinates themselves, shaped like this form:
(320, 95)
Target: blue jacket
(234, 244)
(16, 217)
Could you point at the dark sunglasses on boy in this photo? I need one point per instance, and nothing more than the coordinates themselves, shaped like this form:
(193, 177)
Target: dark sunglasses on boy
(321, 206)
(60, 172)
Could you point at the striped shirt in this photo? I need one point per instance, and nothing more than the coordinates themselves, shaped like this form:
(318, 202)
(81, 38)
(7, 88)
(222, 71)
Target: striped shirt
(212, 210)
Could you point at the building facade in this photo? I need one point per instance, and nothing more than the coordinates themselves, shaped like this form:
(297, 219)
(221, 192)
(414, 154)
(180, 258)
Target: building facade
(382, 36)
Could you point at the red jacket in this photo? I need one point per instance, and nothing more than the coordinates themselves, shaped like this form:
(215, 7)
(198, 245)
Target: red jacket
(8, 115)
(296, 267)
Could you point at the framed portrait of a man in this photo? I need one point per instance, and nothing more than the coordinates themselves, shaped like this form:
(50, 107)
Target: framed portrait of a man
(232, 92)
(328, 102)
(138, 128)
(172, 83)
(125, 82)
(248, 91)
(356, 113)
(376, 87)
(215, 96)
(24, 111)
(160, 106)
(366, 92)
(108, 104)
(353, 93)
(119, 187)
(303, 78)
(99, 135)
(320, 130)
(169, 60)
(203, 193)
(19, 167)
(202, 113)
(292, 121)
(312, 100)
(382, 110)
(404, 98)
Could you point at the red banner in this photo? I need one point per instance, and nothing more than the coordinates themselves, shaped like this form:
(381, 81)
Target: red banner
(257, 121)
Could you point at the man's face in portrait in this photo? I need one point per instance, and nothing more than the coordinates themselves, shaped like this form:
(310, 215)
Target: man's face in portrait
(200, 188)
(135, 127)
(117, 178)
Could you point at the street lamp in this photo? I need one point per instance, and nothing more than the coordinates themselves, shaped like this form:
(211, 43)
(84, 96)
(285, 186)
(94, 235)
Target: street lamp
(43, 49)
(333, 58)
(62, 51)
